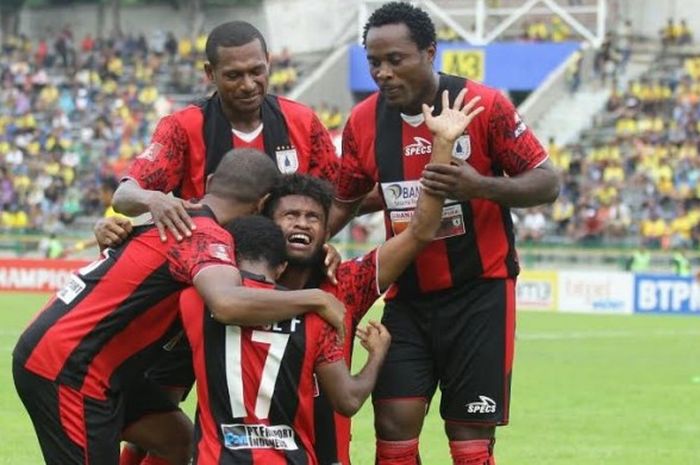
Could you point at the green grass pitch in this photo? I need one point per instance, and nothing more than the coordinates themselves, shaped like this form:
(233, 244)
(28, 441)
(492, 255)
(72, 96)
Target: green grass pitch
(618, 390)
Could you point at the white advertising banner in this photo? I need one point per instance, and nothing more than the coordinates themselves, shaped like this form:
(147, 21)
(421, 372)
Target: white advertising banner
(596, 291)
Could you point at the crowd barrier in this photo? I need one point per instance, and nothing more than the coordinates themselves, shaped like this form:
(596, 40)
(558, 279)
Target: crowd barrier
(605, 292)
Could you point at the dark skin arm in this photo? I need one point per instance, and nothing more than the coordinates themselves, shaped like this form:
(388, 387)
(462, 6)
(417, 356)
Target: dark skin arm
(348, 392)
(231, 303)
(169, 213)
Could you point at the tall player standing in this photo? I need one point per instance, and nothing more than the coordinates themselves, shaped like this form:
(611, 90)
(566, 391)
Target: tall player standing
(451, 314)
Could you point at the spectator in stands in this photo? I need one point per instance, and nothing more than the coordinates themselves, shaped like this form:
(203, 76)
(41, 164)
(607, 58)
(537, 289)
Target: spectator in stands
(654, 230)
(533, 225)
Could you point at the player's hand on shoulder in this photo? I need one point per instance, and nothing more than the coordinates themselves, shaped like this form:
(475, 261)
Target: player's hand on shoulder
(170, 215)
(375, 338)
(452, 121)
(333, 311)
(112, 231)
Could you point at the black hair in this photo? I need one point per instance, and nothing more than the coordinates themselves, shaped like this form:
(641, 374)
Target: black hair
(419, 24)
(244, 175)
(232, 34)
(300, 184)
(258, 239)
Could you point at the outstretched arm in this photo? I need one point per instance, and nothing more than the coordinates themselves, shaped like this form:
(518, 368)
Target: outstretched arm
(348, 392)
(399, 251)
(230, 303)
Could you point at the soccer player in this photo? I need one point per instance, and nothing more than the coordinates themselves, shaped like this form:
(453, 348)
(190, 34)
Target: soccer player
(187, 145)
(451, 314)
(94, 338)
(256, 385)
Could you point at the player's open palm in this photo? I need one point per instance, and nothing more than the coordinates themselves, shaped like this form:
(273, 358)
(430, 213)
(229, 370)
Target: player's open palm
(452, 121)
(375, 338)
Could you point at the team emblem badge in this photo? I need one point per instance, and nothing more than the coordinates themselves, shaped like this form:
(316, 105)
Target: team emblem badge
(287, 160)
(462, 148)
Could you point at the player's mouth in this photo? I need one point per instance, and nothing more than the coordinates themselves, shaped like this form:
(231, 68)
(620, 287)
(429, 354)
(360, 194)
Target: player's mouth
(299, 241)
(249, 100)
(391, 92)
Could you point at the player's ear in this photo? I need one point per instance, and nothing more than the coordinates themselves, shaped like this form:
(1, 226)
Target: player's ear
(209, 71)
(261, 203)
(280, 269)
(208, 182)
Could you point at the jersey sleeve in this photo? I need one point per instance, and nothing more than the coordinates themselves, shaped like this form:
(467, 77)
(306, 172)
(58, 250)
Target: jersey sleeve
(206, 247)
(160, 166)
(324, 161)
(352, 181)
(330, 350)
(512, 145)
(358, 286)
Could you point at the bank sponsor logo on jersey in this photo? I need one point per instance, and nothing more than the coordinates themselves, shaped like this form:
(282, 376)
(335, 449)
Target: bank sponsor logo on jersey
(483, 405)
(239, 436)
(420, 146)
(287, 159)
(151, 152)
(520, 127)
(462, 148)
(402, 194)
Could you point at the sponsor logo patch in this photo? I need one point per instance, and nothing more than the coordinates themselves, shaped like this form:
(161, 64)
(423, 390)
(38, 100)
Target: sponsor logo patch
(239, 436)
(420, 146)
(151, 152)
(71, 289)
(221, 251)
(484, 405)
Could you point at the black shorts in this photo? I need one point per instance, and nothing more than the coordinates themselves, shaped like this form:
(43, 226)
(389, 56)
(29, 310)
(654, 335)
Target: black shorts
(145, 397)
(174, 368)
(461, 339)
(72, 429)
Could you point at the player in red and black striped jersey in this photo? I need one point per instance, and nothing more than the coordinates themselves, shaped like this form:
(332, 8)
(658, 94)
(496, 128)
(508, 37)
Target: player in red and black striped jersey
(452, 311)
(94, 338)
(187, 145)
(256, 385)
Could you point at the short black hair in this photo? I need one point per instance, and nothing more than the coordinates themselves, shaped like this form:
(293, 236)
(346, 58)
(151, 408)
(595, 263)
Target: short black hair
(244, 175)
(300, 184)
(258, 239)
(232, 34)
(420, 26)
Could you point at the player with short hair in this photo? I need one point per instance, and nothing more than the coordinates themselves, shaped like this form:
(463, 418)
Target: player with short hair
(256, 385)
(452, 313)
(92, 341)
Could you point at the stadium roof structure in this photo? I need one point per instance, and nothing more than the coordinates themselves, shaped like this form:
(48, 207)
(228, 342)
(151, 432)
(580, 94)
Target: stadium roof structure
(479, 22)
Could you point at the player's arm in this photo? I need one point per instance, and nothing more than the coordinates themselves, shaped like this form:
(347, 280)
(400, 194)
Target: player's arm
(230, 303)
(352, 183)
(163, 161)
(348, 392)
(399, 251)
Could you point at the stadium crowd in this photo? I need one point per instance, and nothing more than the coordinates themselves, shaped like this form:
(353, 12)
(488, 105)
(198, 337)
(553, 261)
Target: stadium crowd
(74, 111)
(633, 180)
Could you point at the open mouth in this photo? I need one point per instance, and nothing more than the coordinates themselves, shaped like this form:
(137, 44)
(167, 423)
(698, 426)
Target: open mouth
(301, 239)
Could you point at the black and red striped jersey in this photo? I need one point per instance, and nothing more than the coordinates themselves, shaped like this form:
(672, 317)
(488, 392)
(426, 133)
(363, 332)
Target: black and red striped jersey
(111, 320)
(180, 156)
(256, 385)
(476, 236)
(358, 289)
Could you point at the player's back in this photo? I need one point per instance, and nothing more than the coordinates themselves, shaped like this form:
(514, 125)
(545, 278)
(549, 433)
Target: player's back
(255, 386)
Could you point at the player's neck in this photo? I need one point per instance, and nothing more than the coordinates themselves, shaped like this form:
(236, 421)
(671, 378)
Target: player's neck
(225, 210)
(296, 276)
(258, 268)
(244, 122)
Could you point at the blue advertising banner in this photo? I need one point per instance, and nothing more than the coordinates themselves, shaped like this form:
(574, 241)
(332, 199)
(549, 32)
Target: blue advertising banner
(504, 65)
(666, 294)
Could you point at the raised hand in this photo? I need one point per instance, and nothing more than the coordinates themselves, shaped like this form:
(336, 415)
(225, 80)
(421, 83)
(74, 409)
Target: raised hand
(451, 122)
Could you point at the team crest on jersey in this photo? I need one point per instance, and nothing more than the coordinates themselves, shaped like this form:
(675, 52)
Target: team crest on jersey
(220, 251)
(462, 148)
(151, 151)
(287, 159)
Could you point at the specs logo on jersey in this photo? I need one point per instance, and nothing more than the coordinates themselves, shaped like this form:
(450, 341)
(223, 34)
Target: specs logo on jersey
(520, 127)
(287, 159)
(462, 148)
(401, 194)
(420, 146)
(484, 405)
